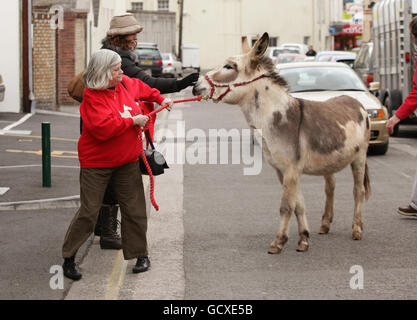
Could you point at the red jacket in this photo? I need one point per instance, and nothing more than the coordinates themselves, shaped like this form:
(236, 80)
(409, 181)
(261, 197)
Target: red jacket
(410, 103)
(109, 138)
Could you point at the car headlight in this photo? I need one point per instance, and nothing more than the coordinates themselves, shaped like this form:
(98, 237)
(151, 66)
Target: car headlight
(376, 114)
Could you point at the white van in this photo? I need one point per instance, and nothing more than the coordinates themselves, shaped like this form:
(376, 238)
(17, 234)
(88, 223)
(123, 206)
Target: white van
(300, 48)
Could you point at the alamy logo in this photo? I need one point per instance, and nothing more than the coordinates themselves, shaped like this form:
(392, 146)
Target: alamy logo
(57, 20)
(356, 282)
(57, 280)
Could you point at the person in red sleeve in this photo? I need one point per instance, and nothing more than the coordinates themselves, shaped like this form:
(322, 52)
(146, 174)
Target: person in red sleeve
(108, 150)
(404, 111)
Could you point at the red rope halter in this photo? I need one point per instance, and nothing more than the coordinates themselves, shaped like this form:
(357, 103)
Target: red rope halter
(142, 150)
(228, 86)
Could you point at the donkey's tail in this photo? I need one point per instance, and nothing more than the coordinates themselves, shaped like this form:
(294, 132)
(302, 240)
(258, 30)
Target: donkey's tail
(367, 183)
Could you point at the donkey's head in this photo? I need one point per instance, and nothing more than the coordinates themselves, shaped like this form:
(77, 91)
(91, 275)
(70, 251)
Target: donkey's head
(232, 82)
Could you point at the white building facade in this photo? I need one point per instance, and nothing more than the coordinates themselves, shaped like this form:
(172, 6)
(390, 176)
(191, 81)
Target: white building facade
(217, 26)
(10, 67)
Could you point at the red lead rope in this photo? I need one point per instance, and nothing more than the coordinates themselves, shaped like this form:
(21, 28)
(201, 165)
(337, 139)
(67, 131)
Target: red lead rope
(142, 150)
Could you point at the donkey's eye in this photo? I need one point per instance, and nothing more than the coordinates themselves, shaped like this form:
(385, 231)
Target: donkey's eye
(228, 66)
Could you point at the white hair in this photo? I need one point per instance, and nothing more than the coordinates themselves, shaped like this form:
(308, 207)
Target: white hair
(98, 73)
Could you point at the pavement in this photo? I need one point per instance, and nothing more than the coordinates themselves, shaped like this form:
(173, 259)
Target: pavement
(21, 161)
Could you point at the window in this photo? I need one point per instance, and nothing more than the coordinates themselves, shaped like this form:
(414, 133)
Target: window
(137, 6)
(163, 5)
(273, 41)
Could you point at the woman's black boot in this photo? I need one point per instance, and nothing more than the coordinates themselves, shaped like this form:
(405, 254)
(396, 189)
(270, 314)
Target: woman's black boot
(142, 265)
(109, 238)
(69, 269)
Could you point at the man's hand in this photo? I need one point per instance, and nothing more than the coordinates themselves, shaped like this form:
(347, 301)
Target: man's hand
(189, 80)
(391, 123)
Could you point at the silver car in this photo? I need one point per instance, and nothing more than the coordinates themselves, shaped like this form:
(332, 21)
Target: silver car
(171, 66)
(320, 81)
(2, 89)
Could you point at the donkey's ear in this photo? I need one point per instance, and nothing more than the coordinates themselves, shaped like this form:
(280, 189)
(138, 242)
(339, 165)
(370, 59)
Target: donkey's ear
(260, 46)
(245, 45)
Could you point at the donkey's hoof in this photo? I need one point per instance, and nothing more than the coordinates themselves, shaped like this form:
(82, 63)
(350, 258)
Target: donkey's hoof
(357, 232)
(274, 249)
(302, 247)
(357, 235)
(324, 230)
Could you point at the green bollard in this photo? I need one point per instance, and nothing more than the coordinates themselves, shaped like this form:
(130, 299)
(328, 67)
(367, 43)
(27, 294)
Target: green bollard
(46, 154)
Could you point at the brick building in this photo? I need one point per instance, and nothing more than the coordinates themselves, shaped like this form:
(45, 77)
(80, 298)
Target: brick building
(58, 53)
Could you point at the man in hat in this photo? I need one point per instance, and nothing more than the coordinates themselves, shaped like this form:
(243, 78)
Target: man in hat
(122, 38)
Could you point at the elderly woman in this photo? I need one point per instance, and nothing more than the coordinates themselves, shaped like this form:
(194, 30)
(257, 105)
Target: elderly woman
(108, 151)
(122, 38)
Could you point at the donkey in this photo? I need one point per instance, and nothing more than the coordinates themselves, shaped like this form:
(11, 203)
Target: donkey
(298, 136)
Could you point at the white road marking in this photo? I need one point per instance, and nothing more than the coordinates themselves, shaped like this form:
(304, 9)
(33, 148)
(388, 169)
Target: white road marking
(15, 132)
(3, 190)
(19, 122)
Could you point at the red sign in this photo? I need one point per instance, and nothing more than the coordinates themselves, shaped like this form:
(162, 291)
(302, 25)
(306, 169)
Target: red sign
(351, 29)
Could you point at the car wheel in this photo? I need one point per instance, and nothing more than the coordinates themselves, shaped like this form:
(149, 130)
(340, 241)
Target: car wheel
(378, 150)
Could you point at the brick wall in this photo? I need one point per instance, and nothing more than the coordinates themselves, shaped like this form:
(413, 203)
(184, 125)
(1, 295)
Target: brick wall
(66, 58)
(58, 55)
(70, 54)
(44, 66)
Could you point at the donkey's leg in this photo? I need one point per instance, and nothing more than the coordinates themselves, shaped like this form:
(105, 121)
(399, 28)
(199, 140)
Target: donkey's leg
(303, 230)
(358, 170)
(302, 223)
(328, 209)
(288, 203)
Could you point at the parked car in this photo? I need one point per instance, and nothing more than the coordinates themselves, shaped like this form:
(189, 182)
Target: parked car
(171, 66)
(290, 57)
(2, 89)
(337, 56)
(298, 47)
(273, 52)
(364, 65)
(150, 58)
(323, 80)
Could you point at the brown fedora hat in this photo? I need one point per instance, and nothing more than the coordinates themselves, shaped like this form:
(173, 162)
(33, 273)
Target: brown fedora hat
(123, 25)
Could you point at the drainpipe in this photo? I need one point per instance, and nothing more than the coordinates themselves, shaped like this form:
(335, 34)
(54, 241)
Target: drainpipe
(30, 59)
(181, 3)
(26, 12)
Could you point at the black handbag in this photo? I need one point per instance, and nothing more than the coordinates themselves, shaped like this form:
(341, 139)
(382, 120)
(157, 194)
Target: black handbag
(155, 159)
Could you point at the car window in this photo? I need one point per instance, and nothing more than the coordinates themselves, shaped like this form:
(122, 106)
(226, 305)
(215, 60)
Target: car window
(293, 49)
(165, 56)
(349, 62)
(276, 52)
(362, 61)
(149, 53)
(321, 78)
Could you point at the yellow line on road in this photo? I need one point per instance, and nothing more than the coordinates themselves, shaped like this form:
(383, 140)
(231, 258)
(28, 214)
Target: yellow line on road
(116, 278)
